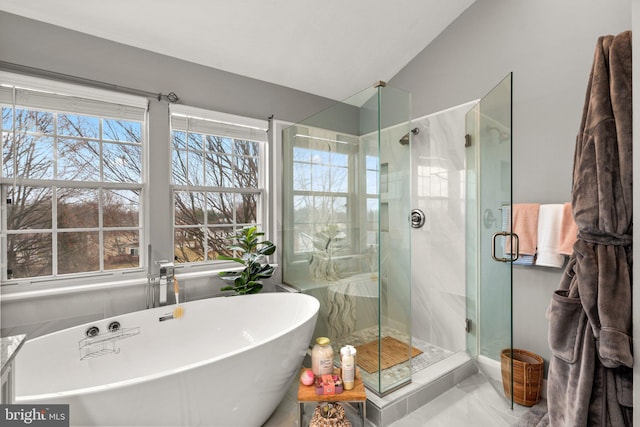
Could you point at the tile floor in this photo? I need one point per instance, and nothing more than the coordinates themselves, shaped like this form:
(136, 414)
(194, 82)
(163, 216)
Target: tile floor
(473, 402)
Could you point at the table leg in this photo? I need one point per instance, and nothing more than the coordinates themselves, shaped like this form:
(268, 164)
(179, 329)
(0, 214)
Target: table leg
(301, 412)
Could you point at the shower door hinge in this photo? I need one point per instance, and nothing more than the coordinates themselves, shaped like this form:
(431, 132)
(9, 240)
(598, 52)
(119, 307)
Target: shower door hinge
(467, 325)
(467, 140)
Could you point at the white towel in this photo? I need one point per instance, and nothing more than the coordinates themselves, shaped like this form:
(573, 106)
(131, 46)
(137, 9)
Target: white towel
(549, 230)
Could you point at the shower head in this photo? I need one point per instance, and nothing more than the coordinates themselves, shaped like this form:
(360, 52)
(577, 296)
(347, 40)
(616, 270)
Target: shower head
(405, 139)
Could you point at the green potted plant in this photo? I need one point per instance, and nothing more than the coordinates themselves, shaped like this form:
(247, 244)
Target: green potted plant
(249, 250)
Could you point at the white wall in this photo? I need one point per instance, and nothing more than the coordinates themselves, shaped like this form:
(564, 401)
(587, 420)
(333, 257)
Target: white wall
(549, 46)
(438, 289)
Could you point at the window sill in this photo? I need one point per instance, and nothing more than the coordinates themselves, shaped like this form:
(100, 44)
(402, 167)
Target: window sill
(8, 295)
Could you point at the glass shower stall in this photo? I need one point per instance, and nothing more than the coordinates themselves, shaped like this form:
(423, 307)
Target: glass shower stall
(346, 229)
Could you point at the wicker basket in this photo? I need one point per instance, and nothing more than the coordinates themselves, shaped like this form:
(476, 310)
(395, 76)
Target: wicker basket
(336, 418)
(528, 371)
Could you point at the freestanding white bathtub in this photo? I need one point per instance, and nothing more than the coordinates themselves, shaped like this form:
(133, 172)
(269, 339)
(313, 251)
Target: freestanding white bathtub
(226, 362)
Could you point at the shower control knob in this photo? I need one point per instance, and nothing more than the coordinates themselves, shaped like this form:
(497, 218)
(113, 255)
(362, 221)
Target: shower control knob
(417, 218)
(92, 331)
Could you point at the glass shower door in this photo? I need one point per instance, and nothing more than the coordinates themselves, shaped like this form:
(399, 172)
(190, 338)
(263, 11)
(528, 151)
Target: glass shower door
(488, 242)
(345, 230)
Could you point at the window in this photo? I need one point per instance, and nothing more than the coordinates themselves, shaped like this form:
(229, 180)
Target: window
(217, 179)
(323, 183)
(71, 179)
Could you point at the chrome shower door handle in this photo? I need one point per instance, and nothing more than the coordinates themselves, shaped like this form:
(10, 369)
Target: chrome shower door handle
(514, 255)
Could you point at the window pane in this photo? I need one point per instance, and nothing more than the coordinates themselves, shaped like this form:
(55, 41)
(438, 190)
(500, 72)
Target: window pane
(330, 209)
(302, 210)
(340, 159)
(30, 208)
(303, 238)
(30, 121)
(76, 125)
(189, 244)
(372, 162)
(189, 208)
(78, 160)
(246, 148)
(122, 130)
(179, 167)
(121, 208)
(246, 172)
(34, 156)
(7, 118)
(220, 208)
(122, 162)
(219, 144)
(339, 179)
(217, 240)
(196, 141)
(372, 182)
(339, 210)
(7, 154)
(179, 139)
(372, 210)
(121, 249)
(301, 176)
(246, 208)
(301, 154)
(195, 167)
(78, 252)
(219, 172)
(78, 208)
(29, 255)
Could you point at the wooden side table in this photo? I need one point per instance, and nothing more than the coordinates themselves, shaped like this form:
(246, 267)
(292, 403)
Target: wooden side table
(358, 395)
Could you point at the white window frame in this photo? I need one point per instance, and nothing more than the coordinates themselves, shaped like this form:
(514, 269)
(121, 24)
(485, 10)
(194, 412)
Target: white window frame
(60, 97)
(231, 126)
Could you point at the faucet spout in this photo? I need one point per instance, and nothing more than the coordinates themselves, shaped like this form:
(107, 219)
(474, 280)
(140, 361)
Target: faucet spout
(166, 279)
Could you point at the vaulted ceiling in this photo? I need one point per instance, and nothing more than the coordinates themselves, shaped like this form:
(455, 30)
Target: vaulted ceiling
(331, 48)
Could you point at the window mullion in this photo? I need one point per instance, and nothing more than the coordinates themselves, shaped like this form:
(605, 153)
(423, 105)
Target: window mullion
(54, 231)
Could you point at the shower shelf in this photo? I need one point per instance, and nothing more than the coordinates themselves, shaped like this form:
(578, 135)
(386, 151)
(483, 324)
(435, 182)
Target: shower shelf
(104, 343)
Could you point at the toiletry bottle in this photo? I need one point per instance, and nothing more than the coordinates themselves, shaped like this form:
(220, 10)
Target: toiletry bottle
(353, 353)
(322, 357)
(348, 367)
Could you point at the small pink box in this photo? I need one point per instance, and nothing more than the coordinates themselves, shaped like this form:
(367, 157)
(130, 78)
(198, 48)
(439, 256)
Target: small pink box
(328, 385)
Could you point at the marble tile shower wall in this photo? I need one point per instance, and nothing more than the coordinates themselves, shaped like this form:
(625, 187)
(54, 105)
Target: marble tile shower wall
(438, 248)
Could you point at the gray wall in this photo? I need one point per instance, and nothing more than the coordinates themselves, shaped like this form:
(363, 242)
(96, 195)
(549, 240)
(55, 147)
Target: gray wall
(34, 44)
(549, 46)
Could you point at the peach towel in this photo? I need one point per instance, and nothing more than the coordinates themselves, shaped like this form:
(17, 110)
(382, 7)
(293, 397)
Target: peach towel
(568, 230)
(525, 225)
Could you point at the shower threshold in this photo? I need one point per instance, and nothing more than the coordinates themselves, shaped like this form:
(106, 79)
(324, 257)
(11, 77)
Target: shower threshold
(426, 385)
(433, 372)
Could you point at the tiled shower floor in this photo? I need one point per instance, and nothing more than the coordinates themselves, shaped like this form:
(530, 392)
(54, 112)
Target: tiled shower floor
(396, 374)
